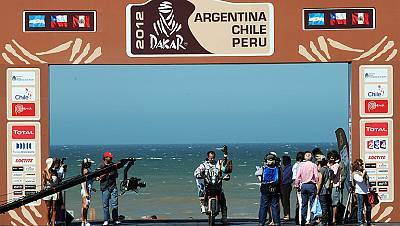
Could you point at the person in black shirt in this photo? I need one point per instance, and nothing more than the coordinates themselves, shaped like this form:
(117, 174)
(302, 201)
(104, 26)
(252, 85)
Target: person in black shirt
(109, 191)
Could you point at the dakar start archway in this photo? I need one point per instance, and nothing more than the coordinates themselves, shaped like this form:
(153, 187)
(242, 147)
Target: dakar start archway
(39, 33)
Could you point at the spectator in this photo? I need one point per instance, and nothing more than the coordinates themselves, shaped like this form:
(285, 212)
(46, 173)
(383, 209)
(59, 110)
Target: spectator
(324, 187)
(361, 184)
(286, 186)
(306, 180)
(337, 181)
(299, 160)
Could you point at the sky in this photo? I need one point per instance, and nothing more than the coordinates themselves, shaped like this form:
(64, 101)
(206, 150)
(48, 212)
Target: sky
(188, 104)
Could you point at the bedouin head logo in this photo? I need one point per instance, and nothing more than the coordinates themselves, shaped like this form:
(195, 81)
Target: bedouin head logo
(166, 24)
(168, 27)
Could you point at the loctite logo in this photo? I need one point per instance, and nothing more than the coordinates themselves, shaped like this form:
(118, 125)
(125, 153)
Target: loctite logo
(377, 129)
(22, 160)
(23, 132)
(23, 109)
(376, 106)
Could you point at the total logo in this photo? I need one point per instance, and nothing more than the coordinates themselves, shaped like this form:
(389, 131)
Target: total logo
(23, 109)
(377, 129)
(23, 160)
(23, 132)
(376, 106)
(376, 91)
(23, 94)
(378, 144)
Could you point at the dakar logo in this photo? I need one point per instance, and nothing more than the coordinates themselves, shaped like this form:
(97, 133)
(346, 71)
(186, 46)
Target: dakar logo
(166, 29)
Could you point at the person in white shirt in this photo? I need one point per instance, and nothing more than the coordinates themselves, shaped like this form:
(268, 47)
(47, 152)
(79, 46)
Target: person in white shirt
(86, 190)
(361, 188)
(295, 168)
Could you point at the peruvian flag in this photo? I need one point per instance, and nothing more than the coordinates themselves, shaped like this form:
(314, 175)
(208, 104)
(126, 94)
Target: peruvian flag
(81, 21)
(360, 18)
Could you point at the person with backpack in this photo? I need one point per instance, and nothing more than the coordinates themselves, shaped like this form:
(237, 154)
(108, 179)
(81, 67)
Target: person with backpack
(306, 183)
(361, 189)
(271, 178)
(324, 188)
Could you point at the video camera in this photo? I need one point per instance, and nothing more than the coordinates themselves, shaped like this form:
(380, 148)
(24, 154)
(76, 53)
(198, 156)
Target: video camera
(133, 183)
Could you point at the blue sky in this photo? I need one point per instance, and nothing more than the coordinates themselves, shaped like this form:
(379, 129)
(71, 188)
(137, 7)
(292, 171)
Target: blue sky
(232, 103)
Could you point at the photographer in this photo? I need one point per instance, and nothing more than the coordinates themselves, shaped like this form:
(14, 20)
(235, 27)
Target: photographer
(109, 191)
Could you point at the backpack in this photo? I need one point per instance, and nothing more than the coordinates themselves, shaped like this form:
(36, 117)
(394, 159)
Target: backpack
(328, 183)
(270, 175)
(269, 179)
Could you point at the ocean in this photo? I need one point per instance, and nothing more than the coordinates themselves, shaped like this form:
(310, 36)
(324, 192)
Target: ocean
(171, 192)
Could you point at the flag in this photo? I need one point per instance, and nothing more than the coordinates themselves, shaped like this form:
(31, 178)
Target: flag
(59, 21)
(36, 21)
(360, 18)
(338, 18)
(81, 21)
(316, 19)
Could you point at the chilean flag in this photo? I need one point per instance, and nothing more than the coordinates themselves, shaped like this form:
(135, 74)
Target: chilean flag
(338, 18)
(81, 21)
(360, 18)
(59, 21)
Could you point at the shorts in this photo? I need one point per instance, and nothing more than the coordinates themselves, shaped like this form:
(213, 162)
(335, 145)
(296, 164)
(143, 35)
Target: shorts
(52, 197)
(335, 196)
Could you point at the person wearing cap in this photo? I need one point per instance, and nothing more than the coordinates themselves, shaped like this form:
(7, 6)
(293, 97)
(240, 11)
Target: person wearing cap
(306, 182)
(49, 179)
(109, 191)
(86, 190)
(270, 177)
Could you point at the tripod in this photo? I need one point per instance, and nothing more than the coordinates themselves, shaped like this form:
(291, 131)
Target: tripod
(350, 212)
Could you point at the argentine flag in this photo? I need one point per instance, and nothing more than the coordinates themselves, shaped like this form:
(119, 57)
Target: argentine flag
(316, 19)
(36, 21)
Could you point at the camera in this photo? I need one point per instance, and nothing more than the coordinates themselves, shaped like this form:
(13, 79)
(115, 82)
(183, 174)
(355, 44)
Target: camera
(132, 184)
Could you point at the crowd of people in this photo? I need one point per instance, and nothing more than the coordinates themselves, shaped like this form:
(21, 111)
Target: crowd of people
(318, 180)
(54, 173)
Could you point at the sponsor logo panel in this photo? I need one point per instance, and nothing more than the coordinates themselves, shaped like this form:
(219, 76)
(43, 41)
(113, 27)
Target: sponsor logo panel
(23, 93)
(23, 109)
(23, 160)
(377, 129)
(24, 147)
(23, 78)
(376, 75)
(376, 106)
(376, 157)
(376, 91)
(23, 132)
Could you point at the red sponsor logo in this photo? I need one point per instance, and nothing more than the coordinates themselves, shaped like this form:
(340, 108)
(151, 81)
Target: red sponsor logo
(376, 129)
(23, 109)
(22, 160)
(23, 132)
(377, 157)
(376, 106)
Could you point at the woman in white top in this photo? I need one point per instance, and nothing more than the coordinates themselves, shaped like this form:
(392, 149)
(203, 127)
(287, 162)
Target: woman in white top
(361, 184)
(86, 190)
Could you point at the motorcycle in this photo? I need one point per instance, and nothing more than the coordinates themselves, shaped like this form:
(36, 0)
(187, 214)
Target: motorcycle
(212, 193)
